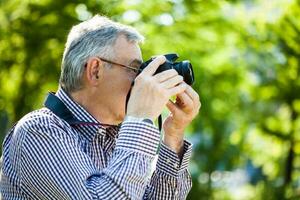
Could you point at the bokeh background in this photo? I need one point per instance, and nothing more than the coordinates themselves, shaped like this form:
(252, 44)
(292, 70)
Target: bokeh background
(246, 58)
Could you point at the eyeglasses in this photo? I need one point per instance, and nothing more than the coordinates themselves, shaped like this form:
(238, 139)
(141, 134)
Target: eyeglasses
(135, 70)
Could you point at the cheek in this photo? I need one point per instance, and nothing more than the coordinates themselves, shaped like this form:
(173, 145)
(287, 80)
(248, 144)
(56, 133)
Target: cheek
(119, 84)
(126, 84)
(120, 90)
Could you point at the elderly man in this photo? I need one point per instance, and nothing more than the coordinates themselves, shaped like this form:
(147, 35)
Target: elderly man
(86, 143)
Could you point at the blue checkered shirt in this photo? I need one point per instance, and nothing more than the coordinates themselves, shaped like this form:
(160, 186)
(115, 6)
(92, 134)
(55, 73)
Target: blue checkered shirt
(44, 157)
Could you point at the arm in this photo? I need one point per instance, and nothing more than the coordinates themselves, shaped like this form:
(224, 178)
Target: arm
(53, 166)
(171, 179)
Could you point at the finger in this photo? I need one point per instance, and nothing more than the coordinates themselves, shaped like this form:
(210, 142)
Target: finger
(177, 89)
(165, 75)
(185, 102)
(172, 82)
(194, 95)
(152, 67)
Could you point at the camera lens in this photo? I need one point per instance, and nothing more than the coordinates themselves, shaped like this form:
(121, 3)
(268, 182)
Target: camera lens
(185, 69)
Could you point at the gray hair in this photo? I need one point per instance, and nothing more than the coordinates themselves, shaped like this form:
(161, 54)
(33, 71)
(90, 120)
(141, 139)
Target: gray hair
(94, 37)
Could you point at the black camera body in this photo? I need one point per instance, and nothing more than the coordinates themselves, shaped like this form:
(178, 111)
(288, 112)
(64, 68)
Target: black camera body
(183, 68)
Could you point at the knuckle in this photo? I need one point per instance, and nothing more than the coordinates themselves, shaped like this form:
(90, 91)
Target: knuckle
(162, 58)
(144, 80)
(159, 59)
(197, 110)
(173, 71)
(180, 78)
(178, 90)
(197, 97)
(164, 73)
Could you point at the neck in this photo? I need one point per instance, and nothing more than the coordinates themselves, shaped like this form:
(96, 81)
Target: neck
(102, 109)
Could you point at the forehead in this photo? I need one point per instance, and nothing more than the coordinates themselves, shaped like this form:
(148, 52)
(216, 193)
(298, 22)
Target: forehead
(127, 51)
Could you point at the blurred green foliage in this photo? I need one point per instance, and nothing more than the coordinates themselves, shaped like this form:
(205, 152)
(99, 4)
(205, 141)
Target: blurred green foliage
(246, 58)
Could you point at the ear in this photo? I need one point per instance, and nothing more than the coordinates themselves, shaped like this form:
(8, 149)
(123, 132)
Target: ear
(94, 70)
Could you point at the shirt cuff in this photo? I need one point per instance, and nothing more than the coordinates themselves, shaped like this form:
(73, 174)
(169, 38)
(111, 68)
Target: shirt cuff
(169, 162)
(141, 137)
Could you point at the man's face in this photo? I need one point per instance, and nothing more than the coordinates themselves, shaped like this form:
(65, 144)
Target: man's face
(116, 79)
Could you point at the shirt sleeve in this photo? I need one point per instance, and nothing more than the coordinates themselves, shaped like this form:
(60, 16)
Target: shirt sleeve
(53, 166)
(171, 179)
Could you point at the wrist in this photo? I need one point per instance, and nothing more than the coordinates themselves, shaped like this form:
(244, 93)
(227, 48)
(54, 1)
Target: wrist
(174, 143)
(138, 119)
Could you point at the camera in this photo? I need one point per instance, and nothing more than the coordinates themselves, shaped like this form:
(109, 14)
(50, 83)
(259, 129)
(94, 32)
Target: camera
(183, 68)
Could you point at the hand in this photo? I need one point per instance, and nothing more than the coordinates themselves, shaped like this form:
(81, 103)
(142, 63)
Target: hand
(151, 93)
(183, 111)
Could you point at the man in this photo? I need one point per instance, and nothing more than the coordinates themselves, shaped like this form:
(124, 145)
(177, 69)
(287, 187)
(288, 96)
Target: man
(74, 149)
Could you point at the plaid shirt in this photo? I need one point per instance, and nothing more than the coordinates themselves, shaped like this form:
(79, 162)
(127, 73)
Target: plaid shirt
(44, 157)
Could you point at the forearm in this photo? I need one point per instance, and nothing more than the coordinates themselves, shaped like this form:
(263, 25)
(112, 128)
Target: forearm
(126, 178)
(171, 180)
(129, 166)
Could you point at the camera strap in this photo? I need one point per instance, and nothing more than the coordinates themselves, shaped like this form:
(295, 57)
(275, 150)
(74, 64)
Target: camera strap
(53, 103)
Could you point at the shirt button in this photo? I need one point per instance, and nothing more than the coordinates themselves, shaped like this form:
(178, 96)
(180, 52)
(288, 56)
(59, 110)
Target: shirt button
(176, 166)
(176, 192)
(168, 160)
(101, 132)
